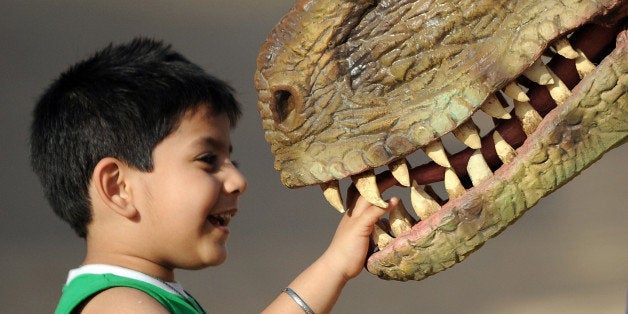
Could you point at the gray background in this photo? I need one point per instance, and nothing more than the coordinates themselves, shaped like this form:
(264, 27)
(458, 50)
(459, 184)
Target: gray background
(567, 254)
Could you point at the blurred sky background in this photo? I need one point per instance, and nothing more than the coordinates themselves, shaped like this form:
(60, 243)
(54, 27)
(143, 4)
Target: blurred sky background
(568, 254)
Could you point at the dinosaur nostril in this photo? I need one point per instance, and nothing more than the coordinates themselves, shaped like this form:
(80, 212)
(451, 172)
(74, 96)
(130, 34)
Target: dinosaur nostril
(284, 104)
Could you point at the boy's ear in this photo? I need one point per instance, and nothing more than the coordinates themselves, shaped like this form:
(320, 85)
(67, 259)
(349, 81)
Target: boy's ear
(110, 179)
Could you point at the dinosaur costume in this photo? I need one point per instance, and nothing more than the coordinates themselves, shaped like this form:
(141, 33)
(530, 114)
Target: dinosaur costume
(346, 87)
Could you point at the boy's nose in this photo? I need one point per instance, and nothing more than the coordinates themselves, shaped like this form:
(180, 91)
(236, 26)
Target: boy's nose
(235, 182)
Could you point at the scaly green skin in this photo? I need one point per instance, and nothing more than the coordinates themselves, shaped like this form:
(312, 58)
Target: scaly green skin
(348, 86)
(571, 138)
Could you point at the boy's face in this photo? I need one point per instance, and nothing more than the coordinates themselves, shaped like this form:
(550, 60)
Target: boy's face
(188, 199)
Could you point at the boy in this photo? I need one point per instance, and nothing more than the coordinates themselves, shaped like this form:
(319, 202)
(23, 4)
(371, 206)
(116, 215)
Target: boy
(132, 147)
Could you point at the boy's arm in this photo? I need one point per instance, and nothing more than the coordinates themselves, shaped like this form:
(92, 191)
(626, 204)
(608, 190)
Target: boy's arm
(321, 283)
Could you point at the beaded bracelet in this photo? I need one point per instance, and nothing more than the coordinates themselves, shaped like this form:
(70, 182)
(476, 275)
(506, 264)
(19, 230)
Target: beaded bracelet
(297, 299)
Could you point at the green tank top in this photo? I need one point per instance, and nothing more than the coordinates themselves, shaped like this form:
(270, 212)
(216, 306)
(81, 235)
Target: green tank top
(81, 287)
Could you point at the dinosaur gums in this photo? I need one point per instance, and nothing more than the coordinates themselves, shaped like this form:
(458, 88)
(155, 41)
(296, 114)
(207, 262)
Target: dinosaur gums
(346, 87)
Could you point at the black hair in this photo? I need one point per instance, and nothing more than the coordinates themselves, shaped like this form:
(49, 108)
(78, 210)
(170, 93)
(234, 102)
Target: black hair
(120, 102)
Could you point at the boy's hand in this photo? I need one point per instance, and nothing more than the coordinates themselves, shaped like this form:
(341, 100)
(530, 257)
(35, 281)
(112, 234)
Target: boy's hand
(349, 247)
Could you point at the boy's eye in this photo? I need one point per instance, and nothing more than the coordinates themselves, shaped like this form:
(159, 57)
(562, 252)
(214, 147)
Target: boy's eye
(209, 159)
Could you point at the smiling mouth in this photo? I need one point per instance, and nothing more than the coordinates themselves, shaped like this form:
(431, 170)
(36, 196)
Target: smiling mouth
(222, 219)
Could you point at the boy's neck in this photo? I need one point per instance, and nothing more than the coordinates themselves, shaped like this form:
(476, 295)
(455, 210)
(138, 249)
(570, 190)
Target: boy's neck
(131, 262)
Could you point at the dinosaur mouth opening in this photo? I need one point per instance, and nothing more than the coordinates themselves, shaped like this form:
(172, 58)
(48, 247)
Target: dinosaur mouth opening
(516, 111)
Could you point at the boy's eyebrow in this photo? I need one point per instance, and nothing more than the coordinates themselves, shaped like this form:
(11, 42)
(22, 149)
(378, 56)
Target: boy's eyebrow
(208, 141)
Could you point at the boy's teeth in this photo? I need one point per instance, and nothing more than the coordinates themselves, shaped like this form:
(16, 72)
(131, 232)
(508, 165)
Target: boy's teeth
(221, 219)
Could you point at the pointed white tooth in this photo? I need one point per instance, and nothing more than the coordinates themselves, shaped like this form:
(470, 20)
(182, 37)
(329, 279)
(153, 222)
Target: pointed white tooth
(563, 48)
(452, 184)
(400, 220)
(539, 73)
(514, 91)
(331, 191)
(423, 204)
(380, 237)
(478, 169)
(467, 133)
(583, 65)
(437, 153)
(366, 184)
(529, 117)
(399, 170)
(505, 152)
(558, 90)
(494, 108)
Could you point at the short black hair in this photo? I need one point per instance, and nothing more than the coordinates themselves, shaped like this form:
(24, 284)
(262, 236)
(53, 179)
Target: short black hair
(120, 102)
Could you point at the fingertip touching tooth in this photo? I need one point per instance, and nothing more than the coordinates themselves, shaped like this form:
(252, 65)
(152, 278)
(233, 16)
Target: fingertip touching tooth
(514, 91)
(331, 191)
(468, 134)
(493, 107)
(379, 236)
(539, 73)
(453, 185)
(529, 117)
(583, 65)
(400, 220)
(436, 151)
(399, 170)
(423, 204)
(505, 152)
(478, 169)
(563, 48)
(366, 184)
(558, 90)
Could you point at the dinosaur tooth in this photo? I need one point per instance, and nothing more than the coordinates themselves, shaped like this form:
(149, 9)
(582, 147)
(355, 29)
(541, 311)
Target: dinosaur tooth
(558, 90)
(366, 184)
(478, 169)
(514, 91)
(399, 170)
(493, 107)
(529, 117)
(583, 65)
(468, 134)
(539, 73)
(379, 236)
(505, 152)
(436, 151)
(400, 220)
(331, 191)
(563, 48)
(423, 204)
(453, 185)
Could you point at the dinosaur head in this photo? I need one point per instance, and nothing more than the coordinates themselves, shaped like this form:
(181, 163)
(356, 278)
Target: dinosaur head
(346, 87)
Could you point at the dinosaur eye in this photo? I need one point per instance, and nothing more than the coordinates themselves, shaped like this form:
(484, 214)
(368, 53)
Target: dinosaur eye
(284, 104)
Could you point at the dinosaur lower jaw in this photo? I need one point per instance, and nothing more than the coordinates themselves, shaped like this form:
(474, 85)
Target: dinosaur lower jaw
(551, 146)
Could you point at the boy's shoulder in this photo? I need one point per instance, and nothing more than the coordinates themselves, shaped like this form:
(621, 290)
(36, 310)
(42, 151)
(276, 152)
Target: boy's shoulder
(122, 300)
